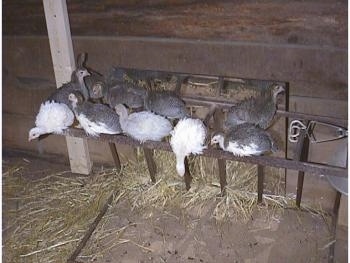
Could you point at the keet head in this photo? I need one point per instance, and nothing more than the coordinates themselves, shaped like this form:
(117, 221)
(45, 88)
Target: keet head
(277, 89)
(97, 90)
(121, 110)
(81, 73)
(217, 138)
(72, 98)
(34, 133)
(75, 97)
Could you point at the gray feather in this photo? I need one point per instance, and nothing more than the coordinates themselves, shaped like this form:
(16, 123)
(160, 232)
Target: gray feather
(165, 103)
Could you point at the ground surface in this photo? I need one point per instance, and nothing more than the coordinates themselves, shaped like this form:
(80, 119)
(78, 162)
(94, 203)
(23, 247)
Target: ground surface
(150, 235)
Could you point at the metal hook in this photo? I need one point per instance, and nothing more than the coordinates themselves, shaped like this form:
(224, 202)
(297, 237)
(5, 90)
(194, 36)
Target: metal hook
(296, 126)
(294, 130)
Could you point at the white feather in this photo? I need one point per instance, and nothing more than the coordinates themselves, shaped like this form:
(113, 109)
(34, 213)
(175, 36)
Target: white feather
(187, 138)
(53, 117)
(245, 150)
(145, 126)
(93, 128)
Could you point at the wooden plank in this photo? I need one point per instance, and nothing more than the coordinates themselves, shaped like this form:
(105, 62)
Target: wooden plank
(92, 228)
(64, 63)
(319, 23)
(323, 73)
(322, 68)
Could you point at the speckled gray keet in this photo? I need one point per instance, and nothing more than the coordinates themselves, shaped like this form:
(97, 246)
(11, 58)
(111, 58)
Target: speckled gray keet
(245, 139)
(76, 84)
(259, 110)
(166, 103)
(94, 118)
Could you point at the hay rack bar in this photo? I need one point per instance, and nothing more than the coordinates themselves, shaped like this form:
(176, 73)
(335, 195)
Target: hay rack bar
(217, 106)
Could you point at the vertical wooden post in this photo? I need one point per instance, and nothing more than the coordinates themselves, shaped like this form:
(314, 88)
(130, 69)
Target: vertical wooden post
(63, 64)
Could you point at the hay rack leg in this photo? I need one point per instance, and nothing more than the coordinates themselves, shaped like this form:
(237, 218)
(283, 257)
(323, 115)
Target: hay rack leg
(152, 167)
(260, 183)
(218, 118)
(334, 226)
(115, 155)
(187, 176)
(301, 154)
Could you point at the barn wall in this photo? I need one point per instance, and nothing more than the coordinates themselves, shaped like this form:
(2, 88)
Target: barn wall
(291, 48)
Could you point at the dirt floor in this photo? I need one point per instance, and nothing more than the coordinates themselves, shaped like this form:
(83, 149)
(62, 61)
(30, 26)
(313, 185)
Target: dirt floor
(126, 234)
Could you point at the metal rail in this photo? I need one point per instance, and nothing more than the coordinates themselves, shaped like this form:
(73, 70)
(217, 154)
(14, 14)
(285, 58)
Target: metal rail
(308, 167)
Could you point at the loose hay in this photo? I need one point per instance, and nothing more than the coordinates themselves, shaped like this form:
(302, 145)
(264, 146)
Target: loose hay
(45, 218)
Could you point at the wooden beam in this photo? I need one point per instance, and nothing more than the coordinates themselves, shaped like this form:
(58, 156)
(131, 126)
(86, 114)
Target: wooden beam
(63, 64)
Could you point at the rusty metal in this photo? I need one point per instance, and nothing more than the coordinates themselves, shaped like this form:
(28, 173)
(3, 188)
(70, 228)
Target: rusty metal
(78, 249)
(260, 182)
(301, 154)
(152, 167)
(218, 117)
(286, 122)
(296, 126)
(115, 155)
(313, 168)
(187, 176)
(334, 226)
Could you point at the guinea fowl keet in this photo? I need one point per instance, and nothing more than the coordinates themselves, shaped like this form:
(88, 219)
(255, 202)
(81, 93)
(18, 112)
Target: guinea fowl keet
(187, 138)
(55, 114)
(143, 125)
(166, 103)
(77, 84)
(245, 139)
(125, 93)
(94, 118)
(53, 117)
(258, 110)
(114, 90)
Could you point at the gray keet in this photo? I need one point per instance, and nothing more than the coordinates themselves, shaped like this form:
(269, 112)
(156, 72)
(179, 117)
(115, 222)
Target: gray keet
(94, 118)
(245, 139)
(259, 110)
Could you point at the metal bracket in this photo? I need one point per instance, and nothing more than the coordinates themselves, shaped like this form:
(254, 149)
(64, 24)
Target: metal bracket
(296, 126)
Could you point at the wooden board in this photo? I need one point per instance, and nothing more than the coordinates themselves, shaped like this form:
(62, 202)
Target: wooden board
(63, 64)
(313, 23)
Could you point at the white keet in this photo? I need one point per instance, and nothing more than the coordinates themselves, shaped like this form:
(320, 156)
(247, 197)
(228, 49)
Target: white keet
(143, 125)
(53, 117)
(187, 138)
(235, 148)
(245, 139)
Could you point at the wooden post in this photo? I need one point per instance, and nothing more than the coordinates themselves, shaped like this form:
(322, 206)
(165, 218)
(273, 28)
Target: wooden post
(63, 64)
